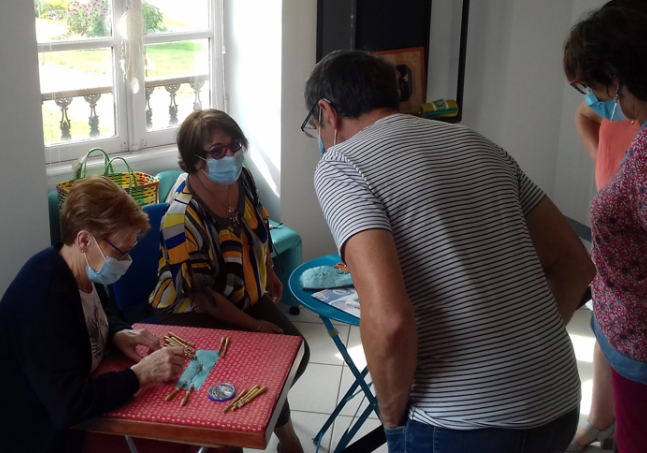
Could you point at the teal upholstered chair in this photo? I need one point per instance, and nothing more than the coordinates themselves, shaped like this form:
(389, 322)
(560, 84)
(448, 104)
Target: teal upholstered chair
(132, 290)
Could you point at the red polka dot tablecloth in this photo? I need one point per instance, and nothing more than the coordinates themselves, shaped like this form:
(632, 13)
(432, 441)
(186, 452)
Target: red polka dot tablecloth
(251, 359)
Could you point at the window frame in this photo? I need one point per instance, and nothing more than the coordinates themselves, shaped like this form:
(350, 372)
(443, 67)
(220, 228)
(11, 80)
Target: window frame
(130, 117)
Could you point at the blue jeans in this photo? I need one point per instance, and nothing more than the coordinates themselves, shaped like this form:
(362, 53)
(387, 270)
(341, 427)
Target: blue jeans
(416, 437)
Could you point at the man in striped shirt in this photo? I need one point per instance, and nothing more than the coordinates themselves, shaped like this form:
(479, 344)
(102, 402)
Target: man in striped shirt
(465, 270)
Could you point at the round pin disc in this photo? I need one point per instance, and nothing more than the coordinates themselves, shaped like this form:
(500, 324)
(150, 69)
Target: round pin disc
(222, 392)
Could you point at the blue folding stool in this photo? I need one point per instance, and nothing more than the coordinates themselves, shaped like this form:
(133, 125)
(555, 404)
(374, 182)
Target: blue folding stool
(328, 313)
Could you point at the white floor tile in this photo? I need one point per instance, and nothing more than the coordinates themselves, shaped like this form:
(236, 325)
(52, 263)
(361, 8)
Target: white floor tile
(322, 346)
(350, 408)
(307, 426)
(580, 324)
(355, 349)
(342, 424)
(317, 389)
(583, 340)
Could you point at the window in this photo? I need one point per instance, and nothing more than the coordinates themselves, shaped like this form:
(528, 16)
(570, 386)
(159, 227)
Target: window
(86, 98)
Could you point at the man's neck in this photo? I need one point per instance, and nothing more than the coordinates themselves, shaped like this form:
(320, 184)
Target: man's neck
(352, 126)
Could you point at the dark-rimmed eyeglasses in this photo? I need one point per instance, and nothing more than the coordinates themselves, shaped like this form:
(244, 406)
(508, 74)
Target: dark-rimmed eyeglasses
(307, 127)
(221, 151)
(580, 87)
(122, 254)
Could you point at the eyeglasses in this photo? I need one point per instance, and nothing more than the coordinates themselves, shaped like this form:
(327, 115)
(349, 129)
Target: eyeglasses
(307, 128)
(581, 87)
(122, 254)
(221, 151)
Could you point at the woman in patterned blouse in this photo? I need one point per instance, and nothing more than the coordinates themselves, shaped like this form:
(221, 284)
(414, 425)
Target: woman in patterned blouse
(606, 54)
(215, 270)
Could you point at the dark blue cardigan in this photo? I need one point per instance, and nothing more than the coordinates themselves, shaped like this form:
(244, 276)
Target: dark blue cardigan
(45, 360)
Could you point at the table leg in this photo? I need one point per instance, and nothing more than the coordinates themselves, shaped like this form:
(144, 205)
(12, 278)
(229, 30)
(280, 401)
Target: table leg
(358, 376)
(352, 430)
(359, 382)
(131, 445)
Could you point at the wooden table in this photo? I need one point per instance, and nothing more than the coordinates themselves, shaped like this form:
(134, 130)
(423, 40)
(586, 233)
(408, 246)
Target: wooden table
(252, 358)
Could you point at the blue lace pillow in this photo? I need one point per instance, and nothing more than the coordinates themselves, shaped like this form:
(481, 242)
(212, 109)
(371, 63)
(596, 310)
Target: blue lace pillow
(325, 277)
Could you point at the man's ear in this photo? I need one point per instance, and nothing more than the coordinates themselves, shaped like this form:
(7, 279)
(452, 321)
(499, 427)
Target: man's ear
(328, 115)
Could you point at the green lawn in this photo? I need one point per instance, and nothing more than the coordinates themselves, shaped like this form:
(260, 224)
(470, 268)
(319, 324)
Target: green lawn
(94, 61)
(182, 57)
(168, 59)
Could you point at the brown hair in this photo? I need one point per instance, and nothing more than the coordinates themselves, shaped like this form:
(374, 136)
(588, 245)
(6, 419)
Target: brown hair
(98, 205)
(196, 129)
(610, 44)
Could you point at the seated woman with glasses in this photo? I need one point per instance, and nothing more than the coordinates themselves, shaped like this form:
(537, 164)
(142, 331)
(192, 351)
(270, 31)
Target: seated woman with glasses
(215, 270)
(56, 325)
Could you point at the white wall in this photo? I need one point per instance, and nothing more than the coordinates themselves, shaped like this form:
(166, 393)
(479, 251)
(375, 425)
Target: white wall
(514, 81)
(574, 172)
(534, 87)
(24, 228)
(487, 60)
(299, 205)
(270, 51)
(253, 88)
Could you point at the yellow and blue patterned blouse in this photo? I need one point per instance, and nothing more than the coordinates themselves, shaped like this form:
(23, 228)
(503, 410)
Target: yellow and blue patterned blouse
(201, 250)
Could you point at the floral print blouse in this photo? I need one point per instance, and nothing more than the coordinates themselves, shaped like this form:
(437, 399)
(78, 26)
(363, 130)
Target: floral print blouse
(619, 226)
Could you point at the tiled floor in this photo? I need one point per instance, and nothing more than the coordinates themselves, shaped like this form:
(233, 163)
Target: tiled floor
(326, 380)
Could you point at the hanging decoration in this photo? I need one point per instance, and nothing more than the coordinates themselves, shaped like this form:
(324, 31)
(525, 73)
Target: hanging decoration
(131, 27)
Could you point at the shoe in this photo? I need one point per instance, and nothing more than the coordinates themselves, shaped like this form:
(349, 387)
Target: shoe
(597, 435)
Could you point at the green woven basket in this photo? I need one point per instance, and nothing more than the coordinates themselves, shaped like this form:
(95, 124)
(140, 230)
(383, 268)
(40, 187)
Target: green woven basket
(142, 187)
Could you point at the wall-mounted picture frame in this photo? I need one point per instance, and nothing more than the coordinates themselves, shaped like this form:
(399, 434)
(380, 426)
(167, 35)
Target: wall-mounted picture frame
(410, 67)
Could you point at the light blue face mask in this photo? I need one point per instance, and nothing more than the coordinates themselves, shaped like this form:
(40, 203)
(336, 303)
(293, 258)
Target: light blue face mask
(609, 110)
(111, 270)
(226, 170)
(322, 148)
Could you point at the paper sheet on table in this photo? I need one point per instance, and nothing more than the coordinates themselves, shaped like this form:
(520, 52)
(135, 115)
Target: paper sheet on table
(198, 369)
(344, 299)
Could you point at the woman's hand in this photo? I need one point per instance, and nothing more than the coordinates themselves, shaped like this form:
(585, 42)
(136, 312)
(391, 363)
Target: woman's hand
(127, 340)
(268, 327)
(274, 285)
(162, 365)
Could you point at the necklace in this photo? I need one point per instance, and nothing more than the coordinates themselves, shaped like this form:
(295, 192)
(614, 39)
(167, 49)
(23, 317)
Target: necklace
(232, 211)
(234, 218)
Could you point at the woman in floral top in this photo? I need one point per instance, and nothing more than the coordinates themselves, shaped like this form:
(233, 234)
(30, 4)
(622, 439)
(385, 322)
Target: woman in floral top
(606, 55)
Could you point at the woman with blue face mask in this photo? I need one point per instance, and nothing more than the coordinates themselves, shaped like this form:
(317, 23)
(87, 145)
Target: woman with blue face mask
(56, 324)
(605, 59)
(606, 135)
(216, 271)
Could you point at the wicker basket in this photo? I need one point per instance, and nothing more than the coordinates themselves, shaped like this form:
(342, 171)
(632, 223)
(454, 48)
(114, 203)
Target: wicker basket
(142, 187)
